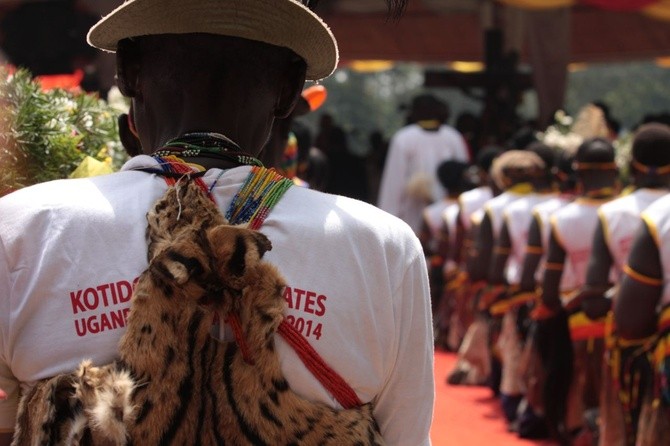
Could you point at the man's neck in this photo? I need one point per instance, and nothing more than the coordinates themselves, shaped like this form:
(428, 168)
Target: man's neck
(157, 133)
(206, 149)
(208, 163)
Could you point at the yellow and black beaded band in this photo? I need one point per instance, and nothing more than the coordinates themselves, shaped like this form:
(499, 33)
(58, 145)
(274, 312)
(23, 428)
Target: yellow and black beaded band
(534, 249)
(651, 281)
(553, 266)
(650, 170)
(595, 166)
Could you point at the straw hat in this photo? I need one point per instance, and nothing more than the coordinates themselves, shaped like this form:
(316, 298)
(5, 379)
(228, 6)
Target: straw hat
(284, 23)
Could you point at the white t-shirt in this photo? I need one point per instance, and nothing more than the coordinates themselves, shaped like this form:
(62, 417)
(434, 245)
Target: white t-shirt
(472, 201)
(413, 153)
(495, 207)
(450, 218)
(518, 216)
(620, 220)
(542, 213)
(432, 215)
(657, 219)
(574, 226)
(357, 288)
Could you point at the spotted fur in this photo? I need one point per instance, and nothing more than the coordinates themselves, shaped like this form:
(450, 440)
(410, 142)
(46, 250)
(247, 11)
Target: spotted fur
(174, 383)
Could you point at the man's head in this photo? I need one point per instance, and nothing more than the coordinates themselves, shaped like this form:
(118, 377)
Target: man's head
(486, 156)
(595, 153)
(484, 162)
(451, 174)
(594, 164)
(565, 172)
(544, 181)
(225, 66)
(651, 155)
(427, 108)
(515, 167)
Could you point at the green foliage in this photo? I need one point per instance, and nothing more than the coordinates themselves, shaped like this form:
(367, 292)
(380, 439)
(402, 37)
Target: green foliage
(632, 90)
(44, 135)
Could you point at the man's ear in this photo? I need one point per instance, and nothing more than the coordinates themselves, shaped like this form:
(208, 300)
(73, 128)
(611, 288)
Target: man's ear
(128, 136)
(294, 80)
(128, 68)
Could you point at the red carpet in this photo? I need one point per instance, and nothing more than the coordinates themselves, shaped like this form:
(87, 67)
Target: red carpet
(468, 415)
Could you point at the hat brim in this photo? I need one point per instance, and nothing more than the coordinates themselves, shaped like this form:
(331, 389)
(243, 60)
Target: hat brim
(284, 23)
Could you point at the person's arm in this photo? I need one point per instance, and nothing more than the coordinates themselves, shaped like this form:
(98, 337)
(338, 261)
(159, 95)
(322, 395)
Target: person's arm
(551, 294)
(456, 242)
(640, 289)
(404, 408)
(533, 256)
(5, 437)
(480, 258)
(499, 256)
(8, 383)
(449, 268)
(425, 235)
(443, 240)
(600, 263)
(592, 295)
(6, 432)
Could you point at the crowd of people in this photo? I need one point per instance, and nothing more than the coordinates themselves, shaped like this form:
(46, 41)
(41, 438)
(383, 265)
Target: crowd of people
(548, 268)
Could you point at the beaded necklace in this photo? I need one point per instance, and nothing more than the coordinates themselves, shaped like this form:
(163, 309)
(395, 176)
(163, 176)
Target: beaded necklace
(603, 193)
(260, 192)
(208, 145)
(174, 169)
(252, 203)
(262, 189)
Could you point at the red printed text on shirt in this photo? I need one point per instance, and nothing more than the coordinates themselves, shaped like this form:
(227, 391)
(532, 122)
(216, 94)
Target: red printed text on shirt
(102, 307)
(312, 304)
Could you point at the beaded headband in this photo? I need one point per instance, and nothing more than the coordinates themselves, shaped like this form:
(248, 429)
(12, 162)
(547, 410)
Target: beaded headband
(595, 166)
(650, 170)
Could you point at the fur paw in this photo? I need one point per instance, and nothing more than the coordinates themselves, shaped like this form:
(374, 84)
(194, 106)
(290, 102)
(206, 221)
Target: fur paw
(106, 394)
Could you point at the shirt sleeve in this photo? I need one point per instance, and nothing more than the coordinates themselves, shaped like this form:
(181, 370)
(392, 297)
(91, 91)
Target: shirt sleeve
(8, 382)
(404, 408)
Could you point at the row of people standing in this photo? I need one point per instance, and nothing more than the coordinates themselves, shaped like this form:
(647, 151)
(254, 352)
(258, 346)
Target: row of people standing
(561, 322)
(524, 269)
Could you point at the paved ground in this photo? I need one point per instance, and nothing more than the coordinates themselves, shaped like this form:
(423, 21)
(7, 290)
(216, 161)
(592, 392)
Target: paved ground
(467, 416)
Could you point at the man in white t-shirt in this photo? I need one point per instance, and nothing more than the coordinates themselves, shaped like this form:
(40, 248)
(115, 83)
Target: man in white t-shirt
(71, 250)
(571, 345)
(409, 181)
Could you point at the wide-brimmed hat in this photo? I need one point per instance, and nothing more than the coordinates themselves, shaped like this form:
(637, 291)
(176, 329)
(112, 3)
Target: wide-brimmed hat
(284, 23)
